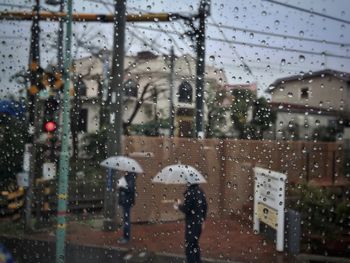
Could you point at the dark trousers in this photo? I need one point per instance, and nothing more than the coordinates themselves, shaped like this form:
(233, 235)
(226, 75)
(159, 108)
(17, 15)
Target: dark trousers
(126, 222)
(192, 249)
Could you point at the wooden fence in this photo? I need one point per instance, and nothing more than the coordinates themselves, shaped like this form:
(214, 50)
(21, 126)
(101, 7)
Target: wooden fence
(227, 166)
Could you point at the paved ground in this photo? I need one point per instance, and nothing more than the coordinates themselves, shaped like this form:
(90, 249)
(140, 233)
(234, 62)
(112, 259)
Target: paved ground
(224, 239)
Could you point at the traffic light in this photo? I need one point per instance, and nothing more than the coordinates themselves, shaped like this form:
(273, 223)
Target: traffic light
(49, 121)
(36, 76)
(51, 107)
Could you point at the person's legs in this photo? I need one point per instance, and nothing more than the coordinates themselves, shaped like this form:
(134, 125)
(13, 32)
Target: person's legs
(126, 219)
(193, 253)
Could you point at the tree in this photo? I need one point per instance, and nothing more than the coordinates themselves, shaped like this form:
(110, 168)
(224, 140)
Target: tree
(263, 117)
(217, 110)
(95, 145)
(243, 100)
(250, 116)
(150, 128)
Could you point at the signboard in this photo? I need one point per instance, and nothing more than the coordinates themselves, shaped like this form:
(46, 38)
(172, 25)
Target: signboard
(267, 215)
(269, 202)
(49, 171)
(23, 179)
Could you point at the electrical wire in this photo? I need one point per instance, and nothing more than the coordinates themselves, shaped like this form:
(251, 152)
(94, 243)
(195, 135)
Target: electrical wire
(255, 45)
(235, 51)
(279, 35)
(308, 11)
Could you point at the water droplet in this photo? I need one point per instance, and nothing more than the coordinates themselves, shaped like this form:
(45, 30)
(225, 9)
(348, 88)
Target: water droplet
(283, 62)
(301, 33)
(212, 58)
(235, 9)
(290, 94)
(263, 13)
(277, 22)
(251, 35)
(301, 58)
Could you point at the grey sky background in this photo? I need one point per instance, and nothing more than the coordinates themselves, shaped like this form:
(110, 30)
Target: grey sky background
(256, 15)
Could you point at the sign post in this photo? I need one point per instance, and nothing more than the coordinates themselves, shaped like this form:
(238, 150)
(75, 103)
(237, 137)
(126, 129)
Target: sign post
(269, 202)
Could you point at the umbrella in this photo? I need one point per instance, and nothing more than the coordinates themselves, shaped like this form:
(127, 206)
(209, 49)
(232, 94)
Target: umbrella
(122, 163)
(179, 174)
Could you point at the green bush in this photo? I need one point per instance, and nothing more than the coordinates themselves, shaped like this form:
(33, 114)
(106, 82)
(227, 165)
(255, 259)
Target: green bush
(324, 211)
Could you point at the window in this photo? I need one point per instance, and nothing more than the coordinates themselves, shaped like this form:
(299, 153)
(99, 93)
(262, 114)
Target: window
(304, 94)
(131, 88)
(185, 92)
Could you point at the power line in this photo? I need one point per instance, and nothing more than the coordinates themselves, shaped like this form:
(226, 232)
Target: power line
(308, 11)
(253, 44)
(107, 4)
(257, 31)
(279, 35)
(147, 43)
(247, 68)
(280, 48)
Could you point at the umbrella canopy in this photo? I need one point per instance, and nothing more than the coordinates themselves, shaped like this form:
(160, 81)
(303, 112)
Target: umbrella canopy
(122, 163)
(179, 174)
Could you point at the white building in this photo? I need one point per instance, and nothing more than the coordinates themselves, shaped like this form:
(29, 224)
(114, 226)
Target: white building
(146, 76)
(304, 103)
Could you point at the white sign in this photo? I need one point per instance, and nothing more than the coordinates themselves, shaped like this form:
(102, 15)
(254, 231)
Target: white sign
(49, 171)
(26, 157)
(23, 179)
(269, 202)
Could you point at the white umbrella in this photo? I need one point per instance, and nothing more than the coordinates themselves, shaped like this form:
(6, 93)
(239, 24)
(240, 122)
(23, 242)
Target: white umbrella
(179, 174)
(122, 163)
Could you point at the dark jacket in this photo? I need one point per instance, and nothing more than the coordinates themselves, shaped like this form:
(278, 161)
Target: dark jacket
(127, 195)
(195, 209)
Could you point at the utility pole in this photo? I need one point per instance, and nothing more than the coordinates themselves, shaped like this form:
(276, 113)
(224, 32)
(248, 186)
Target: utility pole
(171, 93)
(204, 11)
(114, 139)
(60, 38)
(64, 155)
(33, 110)
(103, 99)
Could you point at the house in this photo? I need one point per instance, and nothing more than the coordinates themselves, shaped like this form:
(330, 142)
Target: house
(147, 82)
(311, 105)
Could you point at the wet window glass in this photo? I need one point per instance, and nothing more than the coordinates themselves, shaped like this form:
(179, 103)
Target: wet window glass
(174, 131)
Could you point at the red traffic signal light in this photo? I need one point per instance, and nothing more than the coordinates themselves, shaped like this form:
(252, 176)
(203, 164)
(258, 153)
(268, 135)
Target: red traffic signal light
(50, 126)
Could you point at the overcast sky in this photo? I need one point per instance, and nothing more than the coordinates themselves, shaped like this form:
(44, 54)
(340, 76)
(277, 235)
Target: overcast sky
(255, 16)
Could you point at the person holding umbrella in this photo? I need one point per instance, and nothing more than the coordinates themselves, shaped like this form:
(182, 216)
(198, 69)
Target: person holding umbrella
(195, 209)
(126, 186)
(194, 206)
(126, 200)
